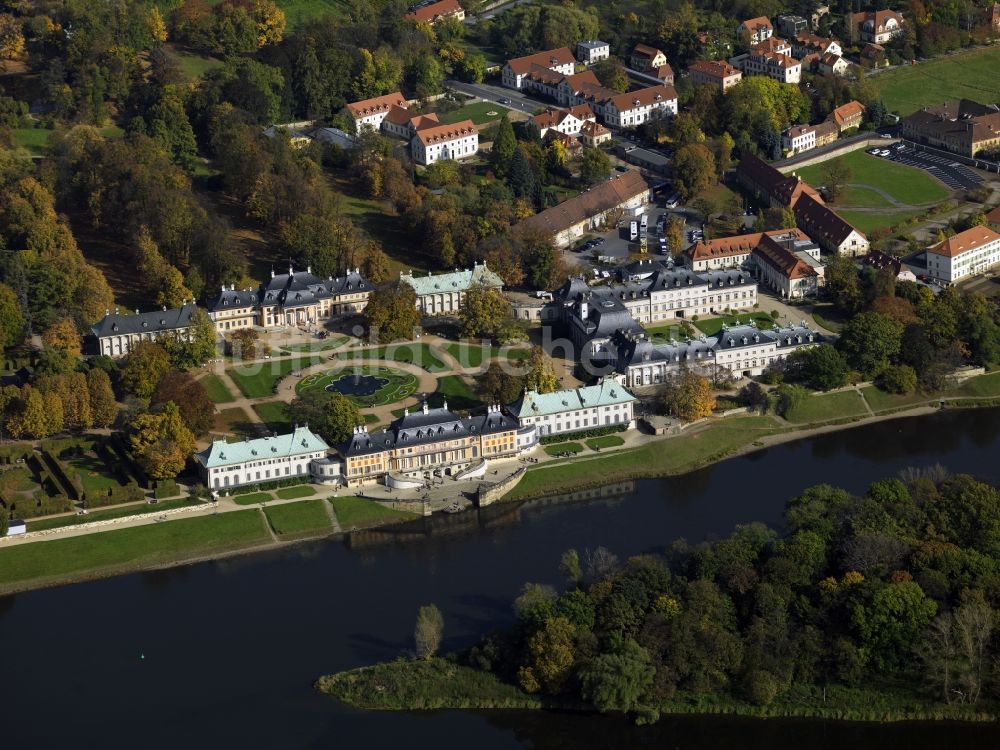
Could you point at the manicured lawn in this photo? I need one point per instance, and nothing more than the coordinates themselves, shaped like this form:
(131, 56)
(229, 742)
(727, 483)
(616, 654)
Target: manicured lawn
(559, 448)
(253, 498)
(298, 518)
(234, 421)
(827, 406)
(259, 379)
(907, 185)
(93, 473)
(217, 390)
(479, 112)
(665, 333)
(390, 385)
(470, 355)
(653, 459)
(970, 75)
(129, 548)
(984, 386)
(457, 392)
(605, 441)
(356, 511)
(879, 400)
(36, 139)
(418, 354)
(135, 509)
(711, 326)
(294, 493)
(866, 197)
(193, 64)
(870, 221)
(274, 414)
(829, 317)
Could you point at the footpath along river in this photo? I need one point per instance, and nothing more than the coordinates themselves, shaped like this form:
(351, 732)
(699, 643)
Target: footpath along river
(223, 654)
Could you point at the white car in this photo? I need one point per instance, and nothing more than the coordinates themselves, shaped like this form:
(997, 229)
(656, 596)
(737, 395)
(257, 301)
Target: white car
(884, 152)
(874, 152)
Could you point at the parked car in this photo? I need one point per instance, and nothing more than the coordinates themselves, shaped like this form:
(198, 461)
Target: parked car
(598, 241)
(885, 152)
(874, 151)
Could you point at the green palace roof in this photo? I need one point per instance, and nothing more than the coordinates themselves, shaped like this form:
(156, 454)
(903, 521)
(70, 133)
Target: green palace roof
(222, 453)
(455, 281)
(605, 393)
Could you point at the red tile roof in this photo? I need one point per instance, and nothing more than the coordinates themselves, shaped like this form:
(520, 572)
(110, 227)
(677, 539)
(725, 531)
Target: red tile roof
(643, 97)
(993, 217)
(783, 260)
(434, 11)
(644, 50)
(847, 112)
(522, 65)
(964, 242)
(376, 104)
(819, 220)
(448, 132)
(715, 68)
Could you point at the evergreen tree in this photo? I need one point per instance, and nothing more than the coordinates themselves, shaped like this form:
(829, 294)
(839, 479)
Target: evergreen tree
(504, 146)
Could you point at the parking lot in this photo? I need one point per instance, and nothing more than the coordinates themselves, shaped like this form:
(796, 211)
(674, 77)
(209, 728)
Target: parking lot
(617, 246)
(951, 173)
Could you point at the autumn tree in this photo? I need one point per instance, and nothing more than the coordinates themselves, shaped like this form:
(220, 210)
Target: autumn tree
(63, 336)
(11, 319)
(485, 313)
(837, 173)
(551, 655)
(196, 409)
(427, 631)
(11, 37)
(391, 313)
(540, 373)
(244, 344)
(103, 405)
(694, 170)
(674, 234)
(147, 362)
(687, 396)
(333, 416)
(195, 346)
(594, 165)
(499, 385)
(71, 390)
(611, 73)
(161, 443)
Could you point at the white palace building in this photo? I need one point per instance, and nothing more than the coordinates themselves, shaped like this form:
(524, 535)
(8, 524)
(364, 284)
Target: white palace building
(301, 453)
(606, 404)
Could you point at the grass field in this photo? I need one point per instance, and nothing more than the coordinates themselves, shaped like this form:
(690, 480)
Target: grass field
(259, 380)
(560, 448)
(93, 473)
(868, 222)
(908, 185)
(130, 548)
(879, 400)
(829, 317)
(136, 509)
(665, 333)
(396, 385)
(274, 414)
(711, 326)
(417, 354)
(605, 441)
(299, 12)
(320, 346)
(36, 139)
(864, 197)
(253, 498)
(827, 406)
(652, 459)
(234, 421)
(458, 393)
(193, 64)
(972, 75)
(217, 390)
(478, 112)
(295, 492)
(298, 518)
(985, 386)
(358, 512)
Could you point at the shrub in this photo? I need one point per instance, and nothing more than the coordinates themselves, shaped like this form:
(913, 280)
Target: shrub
(901, 379)
(762, 687)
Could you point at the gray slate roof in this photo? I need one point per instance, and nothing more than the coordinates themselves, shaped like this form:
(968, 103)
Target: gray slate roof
(157, 321)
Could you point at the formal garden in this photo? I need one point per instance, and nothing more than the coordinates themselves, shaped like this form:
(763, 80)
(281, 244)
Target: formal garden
(367, 386)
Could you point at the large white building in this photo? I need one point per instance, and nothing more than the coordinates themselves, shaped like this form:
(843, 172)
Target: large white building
(116, 334)
(592, 51)
(458, 140)
(965, 254)
(558, 60)
(369, 113)
(223, 464)
(606, 404)
(798, 138)
(443, 293)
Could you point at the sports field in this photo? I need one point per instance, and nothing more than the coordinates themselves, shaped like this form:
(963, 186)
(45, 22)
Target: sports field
(972, 75)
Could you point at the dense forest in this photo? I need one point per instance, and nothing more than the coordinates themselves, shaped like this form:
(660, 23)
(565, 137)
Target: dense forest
(880, 604)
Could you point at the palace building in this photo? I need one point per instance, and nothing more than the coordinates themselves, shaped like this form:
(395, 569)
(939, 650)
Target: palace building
(300, 453)
(606, 404)
(442, 294)
(116, 334)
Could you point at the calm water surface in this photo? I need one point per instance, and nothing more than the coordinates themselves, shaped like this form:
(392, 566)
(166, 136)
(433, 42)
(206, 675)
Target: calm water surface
(231, 648)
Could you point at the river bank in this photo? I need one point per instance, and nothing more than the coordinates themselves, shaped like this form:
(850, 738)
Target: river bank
(81, 558)
(441, 683)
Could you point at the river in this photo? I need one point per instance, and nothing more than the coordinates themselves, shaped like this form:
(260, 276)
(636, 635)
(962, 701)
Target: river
(224, 653)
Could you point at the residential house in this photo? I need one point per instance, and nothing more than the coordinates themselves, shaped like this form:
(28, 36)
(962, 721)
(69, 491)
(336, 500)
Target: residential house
(645, 58)
(593, 134)
(592, 51)
(433, 12)
(636, 107)
(431, 143)
(826, 133)
(571, 219)
(878, 27)
(728, 252)
(833, 233)
(293, 299)
(883, 262)
(790, 25)
(833, 65)
(443, 293)
(402, 123)
(772, 58)
(714, 73)
(756, 29)
(559, 60)
(873, 56)
(963, 127)
(116, 334)
(566, 121)
(798, 138)
(807, 43)
(967, 253)
(428, 443)
(847, 116)
(606, 404)
(369, 113)
(223, 465)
